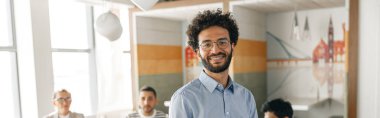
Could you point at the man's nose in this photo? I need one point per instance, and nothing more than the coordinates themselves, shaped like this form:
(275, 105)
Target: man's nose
(215, 48)
(145, 102)
(65, 102)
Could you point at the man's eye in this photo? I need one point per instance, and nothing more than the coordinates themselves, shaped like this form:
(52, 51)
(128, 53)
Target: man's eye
(222, 42)
(206, 44)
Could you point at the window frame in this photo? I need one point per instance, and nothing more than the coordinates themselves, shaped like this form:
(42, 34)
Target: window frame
(13, 49)
(91, 62)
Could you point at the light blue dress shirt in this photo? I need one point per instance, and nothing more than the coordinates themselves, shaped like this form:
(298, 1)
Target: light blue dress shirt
(206, 98)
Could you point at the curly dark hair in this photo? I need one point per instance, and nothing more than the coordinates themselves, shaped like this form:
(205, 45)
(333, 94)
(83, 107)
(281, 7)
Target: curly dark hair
(209, 18)
(149, 89)
(279, 107)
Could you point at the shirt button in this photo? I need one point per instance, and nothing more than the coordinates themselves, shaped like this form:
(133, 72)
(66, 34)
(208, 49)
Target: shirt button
(227, 113)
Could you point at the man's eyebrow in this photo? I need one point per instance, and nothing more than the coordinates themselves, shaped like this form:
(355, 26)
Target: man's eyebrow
(207, 40)
(223, 38)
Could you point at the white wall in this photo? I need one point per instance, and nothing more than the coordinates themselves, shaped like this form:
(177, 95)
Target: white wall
(158, 31)
(114, 78)
(43, 58)
(25, 57)
(286, 81)
(252, 24)
(369, 66)
(280, 25)
(34, 57)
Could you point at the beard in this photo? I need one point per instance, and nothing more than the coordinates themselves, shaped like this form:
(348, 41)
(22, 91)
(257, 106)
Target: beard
(147, 109)
(217, 69)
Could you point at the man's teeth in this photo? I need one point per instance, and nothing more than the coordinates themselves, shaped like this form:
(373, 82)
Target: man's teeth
(217, 57)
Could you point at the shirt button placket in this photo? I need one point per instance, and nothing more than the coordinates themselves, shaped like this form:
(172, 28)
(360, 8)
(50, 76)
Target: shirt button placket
(227, 103)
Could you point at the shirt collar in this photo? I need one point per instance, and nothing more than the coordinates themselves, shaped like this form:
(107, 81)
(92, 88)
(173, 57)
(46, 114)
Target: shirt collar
(59, 116)
(211, 84)
(143, 116)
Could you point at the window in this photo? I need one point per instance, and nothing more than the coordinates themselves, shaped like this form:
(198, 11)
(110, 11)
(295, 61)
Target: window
(114, 66)
(5, 31)
(9, 99)
(73, 53)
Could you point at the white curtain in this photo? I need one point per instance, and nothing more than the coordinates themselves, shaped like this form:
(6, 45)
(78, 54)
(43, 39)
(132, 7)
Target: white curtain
(114, 71)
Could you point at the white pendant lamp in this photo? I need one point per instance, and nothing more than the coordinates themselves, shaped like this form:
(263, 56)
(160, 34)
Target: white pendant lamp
(108, 25)
(296, 35)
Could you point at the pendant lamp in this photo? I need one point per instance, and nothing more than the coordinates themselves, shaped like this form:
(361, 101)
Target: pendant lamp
(306, 31)
(296, 35)
(108, 25)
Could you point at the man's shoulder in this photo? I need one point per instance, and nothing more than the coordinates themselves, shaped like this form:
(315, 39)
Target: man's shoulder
(77, 115)
(72, 114)
(159, 114)
(133, 115)
(191, 86)
(50, 115)
(240, 88)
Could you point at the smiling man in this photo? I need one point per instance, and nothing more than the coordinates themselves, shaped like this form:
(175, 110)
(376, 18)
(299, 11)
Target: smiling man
(213, 35)
(147, 102)
(62, 101)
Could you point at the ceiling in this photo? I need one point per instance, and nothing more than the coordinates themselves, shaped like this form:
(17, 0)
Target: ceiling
(179, 13)
(272, 6)
(265, 6)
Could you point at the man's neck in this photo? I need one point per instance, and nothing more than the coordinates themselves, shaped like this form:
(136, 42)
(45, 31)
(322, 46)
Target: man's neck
(221, 78)
(63, 115)
(147, 114)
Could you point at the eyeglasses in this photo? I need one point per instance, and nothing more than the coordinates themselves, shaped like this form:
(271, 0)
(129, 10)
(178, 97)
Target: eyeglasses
(207, 45)
(61, 100)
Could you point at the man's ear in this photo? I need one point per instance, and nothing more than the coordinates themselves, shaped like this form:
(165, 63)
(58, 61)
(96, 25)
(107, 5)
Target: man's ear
(233, 46)
(198, 54)
(53, 102)
(157, 101)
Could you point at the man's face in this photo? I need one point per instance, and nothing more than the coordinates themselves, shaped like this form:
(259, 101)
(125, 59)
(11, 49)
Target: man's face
(269, 115)
(147, 102)
(215, 49)
(62, 102)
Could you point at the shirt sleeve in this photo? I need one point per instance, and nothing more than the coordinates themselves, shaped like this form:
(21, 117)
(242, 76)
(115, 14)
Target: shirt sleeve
(178, 107)
(80, 116)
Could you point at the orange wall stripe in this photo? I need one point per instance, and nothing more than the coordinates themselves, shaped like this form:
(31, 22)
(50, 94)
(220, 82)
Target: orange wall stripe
(250, 56)
(251, 48)
(159, 59)
(145, 51)
(152, 67)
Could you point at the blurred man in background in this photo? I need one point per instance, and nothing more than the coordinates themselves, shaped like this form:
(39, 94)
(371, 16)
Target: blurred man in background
(277, 108)
(147, 102)
(62, 101)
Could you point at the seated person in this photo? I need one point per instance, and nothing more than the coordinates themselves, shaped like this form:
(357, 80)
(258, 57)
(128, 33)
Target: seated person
(277, 108)
(62, 101)
(147, 102)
